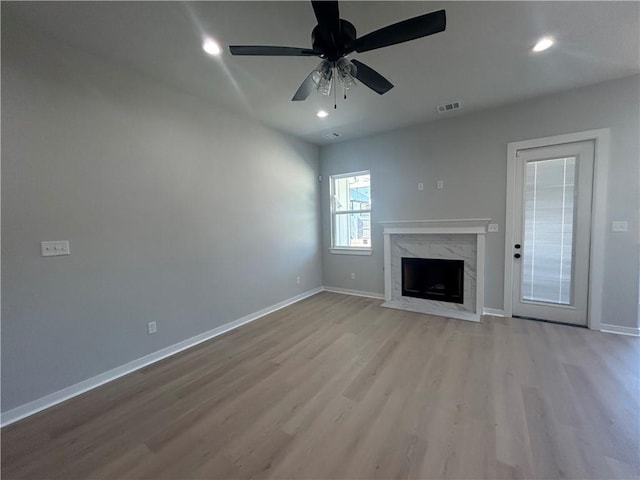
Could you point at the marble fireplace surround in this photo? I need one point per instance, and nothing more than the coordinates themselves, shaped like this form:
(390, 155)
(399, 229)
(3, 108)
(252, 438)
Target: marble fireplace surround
(456, 239)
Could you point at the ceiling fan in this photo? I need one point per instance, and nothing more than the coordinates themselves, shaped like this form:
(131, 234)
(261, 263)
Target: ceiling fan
(333, 39)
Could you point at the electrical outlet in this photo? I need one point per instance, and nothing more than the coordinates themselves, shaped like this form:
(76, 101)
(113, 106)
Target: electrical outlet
(420, 186)
(440, 184)
(152, 328)
(298, 280)
(353, 276)
(52, 249)
(493, 227)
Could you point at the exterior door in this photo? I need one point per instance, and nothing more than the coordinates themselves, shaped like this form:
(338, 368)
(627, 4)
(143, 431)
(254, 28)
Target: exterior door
(552, 222)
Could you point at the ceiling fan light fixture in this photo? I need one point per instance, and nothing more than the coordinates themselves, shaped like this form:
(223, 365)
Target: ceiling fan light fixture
(322, 77)
(347, 72)
(324, 86)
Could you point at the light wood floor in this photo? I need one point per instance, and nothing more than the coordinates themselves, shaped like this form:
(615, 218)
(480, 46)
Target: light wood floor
(338, 387)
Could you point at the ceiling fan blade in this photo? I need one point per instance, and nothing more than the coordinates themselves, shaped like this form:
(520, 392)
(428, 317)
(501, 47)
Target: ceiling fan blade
(304, 90)
(271, 51)
(327, 13)
(404, 31)
(371, 78)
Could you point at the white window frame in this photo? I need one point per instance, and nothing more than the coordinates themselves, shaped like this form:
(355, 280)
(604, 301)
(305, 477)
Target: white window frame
(348, 250)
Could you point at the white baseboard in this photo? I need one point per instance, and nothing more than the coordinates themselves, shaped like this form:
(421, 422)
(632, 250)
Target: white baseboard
(54, 398)
(357, 293)
(634, 332)
(493, 312)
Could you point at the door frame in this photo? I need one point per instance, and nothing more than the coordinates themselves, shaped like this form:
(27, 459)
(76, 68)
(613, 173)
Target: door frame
(598, 215)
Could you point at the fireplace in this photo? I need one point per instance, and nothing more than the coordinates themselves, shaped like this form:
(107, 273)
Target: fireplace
(433, 279)
(461, 240)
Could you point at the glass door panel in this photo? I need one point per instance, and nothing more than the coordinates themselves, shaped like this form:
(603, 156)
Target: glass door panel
(548, 239)
(552, 231)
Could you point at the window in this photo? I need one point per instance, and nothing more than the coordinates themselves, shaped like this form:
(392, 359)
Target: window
(351, 213)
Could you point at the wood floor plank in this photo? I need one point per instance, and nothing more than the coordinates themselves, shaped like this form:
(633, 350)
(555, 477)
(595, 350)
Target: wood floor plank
(336, 386)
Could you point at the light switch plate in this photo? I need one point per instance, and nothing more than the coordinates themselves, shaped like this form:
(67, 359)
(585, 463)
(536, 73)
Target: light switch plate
(440, 184)
(619, 226)
(493, 227)
(55, 248)
(420, 186)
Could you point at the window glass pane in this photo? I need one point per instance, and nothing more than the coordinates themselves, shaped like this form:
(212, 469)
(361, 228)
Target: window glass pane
(352, 230)
(351, 193)
(547, 258)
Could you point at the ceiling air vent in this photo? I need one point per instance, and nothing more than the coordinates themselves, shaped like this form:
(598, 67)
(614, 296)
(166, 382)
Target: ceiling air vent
(449, 107)
(331, 136)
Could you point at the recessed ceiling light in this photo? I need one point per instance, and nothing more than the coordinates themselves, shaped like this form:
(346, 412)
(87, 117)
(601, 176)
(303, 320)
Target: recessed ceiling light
(211, 47)
(543, 44)
(321, 114)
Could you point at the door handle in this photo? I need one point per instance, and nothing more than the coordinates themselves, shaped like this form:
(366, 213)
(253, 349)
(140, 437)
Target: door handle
(517, 255)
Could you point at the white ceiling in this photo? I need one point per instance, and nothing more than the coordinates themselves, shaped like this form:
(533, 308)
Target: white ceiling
(483, 58)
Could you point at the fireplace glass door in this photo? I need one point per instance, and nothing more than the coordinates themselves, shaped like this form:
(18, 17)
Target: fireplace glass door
(433, 279)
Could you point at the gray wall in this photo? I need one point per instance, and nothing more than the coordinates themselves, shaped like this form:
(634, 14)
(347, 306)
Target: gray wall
(176, 212)
(468, 152)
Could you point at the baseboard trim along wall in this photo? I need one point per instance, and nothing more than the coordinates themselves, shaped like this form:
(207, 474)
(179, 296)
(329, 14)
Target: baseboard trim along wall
(494, 312)
(60, 396)
(633, 332)
(357, 293)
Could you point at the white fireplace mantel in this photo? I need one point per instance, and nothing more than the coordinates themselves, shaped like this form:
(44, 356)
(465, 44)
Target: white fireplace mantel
(472, 226)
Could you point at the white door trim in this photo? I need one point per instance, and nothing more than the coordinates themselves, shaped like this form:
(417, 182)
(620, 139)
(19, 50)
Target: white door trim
(598, 217)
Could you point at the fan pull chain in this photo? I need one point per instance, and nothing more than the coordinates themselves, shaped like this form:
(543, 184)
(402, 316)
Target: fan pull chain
(335, 91)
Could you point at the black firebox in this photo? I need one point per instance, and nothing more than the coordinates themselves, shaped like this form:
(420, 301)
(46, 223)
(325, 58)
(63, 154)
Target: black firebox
(433, 279)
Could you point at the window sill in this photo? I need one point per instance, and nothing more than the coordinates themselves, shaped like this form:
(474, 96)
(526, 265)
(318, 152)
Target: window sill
(350, 251)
